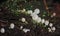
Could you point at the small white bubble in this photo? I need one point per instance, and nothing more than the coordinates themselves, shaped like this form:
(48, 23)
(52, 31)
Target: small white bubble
(36, 11)
(23, 19)
(53, 28)
(50, 24)
(49, 29)
(29, 11)
(2, 30)
(32, 14)
(38, 20)
(21, 27)
(54, 14)
(23, 10)
(46, 22)
(35, 17)
(26, 30)
(12, 25)
(43, 20)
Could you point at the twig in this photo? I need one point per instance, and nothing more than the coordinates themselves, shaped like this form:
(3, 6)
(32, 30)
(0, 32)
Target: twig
(46, 7)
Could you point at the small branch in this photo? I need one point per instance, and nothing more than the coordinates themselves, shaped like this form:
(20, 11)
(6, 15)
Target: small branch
(47, 9)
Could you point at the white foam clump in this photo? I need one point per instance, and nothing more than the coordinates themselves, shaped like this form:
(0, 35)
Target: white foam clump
(49, 29)
(36, 11)
(12, 25)
(2, 30)
(21, 27)
(50, 24)
(38, 20)
(26, 30)
(23, 19)
(53, 28)
(34, 16)
(23, 10)
(43, 20)
(29, 11)
(54, 14)
(46, 22)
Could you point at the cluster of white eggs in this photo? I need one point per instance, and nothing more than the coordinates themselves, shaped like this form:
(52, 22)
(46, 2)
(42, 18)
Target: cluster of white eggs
(38, 19)
(52, 29)
(34, 15)
(12, 26)
(2, 30)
